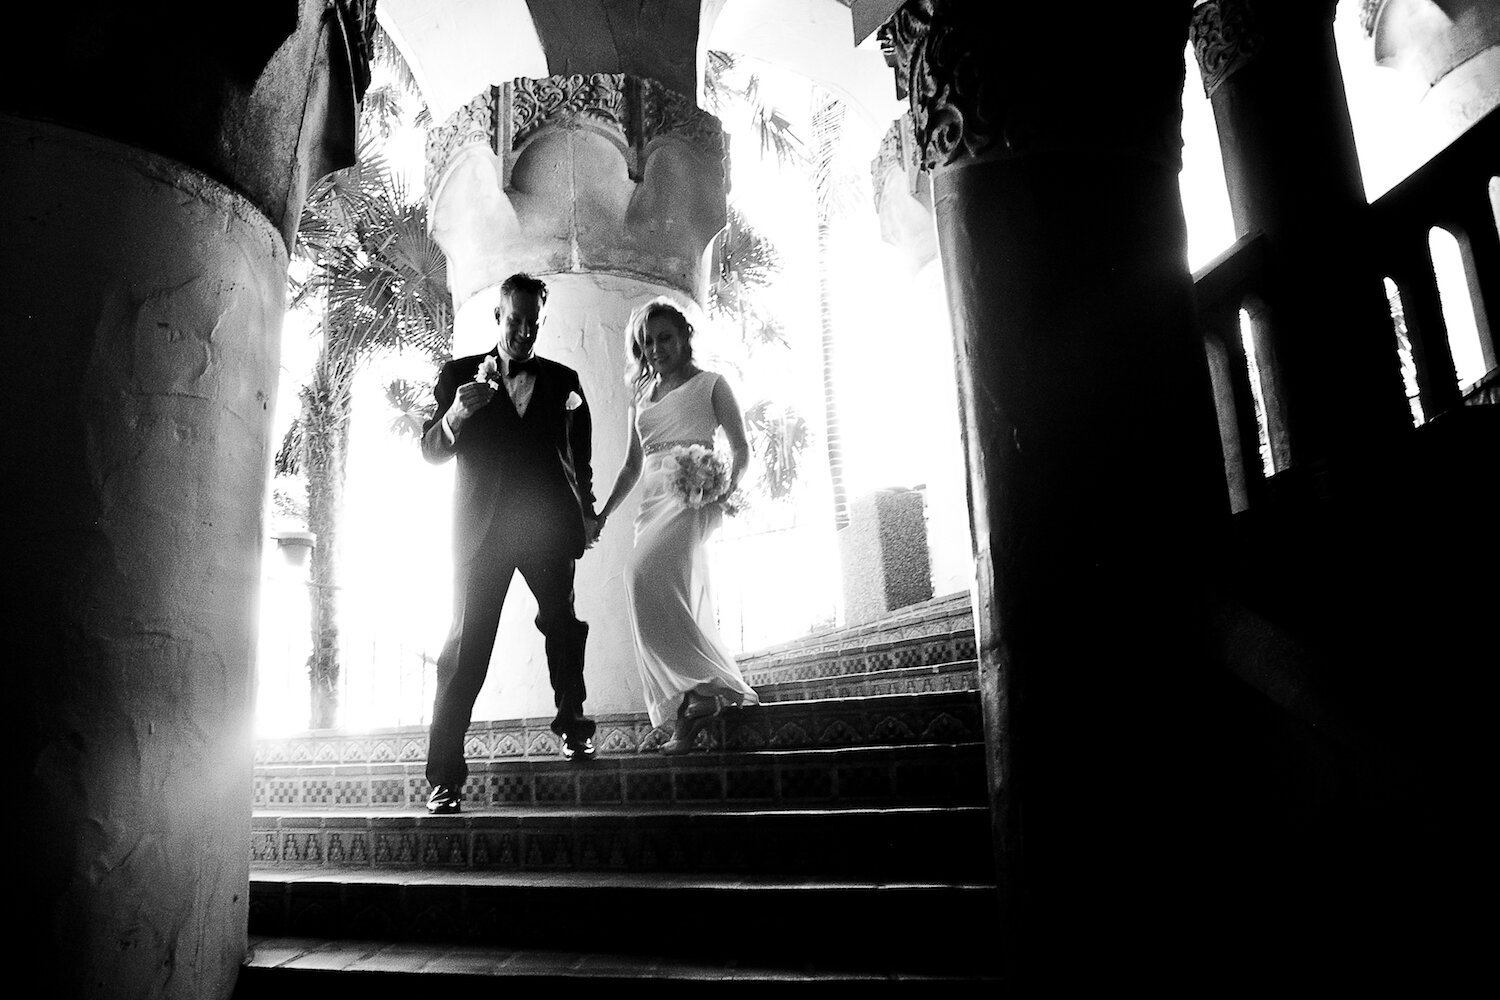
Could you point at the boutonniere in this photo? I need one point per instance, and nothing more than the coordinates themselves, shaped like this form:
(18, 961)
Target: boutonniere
(489, 371)
(574, 401)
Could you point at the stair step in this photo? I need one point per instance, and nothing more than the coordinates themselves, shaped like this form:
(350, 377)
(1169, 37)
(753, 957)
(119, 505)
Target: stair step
(315, 966)
(917, 774)
(945, 843)
(949, 615)
(894, 926)
(959, 675)
(883, 720)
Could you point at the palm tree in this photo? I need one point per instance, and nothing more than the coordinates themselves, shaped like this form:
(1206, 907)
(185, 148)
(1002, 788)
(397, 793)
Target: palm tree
(384, 284)
(827, 124)
(745, 264)
(836, 187)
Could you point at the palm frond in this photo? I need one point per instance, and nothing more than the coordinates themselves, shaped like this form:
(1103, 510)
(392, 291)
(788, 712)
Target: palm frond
(389, 58)
(381, 110)
(730, 98)
(837, 186)
(288, 461)
(778, 435)
(742, 257)
(413, 406)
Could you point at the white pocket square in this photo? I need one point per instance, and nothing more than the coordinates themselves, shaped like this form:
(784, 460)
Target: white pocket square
(574, 401)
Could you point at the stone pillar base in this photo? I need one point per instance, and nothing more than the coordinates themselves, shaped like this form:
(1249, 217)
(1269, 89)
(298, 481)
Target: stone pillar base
(883, 551)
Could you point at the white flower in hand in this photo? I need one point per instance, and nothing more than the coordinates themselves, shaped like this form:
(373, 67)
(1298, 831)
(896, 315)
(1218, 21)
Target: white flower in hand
(574, 401)
(489, 371)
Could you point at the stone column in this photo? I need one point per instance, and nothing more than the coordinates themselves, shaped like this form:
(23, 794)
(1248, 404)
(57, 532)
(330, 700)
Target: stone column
(610, 188)
(146, 318)
(151, 175)
(1271, 70)
(1096, 479)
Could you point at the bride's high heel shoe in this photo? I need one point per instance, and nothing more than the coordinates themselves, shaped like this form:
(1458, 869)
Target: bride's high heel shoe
(692, 715)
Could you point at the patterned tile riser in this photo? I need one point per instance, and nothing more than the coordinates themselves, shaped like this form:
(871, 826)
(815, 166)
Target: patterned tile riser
(935, 651)
(829, 847)
(529, 739)
(867, 781)
(835, 688)
(944, 639)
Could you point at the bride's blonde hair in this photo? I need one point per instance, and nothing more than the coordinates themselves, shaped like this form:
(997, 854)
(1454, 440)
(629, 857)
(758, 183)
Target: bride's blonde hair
(637, 369)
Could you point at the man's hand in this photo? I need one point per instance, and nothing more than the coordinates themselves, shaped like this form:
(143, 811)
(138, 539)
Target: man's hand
(592, 526)
(471, 397)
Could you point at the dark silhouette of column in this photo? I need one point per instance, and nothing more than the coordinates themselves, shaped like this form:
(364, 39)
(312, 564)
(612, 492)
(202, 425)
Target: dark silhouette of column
(1096, 476)
(153, 162)
(1271, 71)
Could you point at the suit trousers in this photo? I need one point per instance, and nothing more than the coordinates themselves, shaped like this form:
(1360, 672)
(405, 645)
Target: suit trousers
(461, 667)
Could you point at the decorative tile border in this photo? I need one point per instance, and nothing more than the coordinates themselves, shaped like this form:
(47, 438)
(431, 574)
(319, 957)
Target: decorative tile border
(959, 676)
(942, 843)
(873, 776)
(936, 717)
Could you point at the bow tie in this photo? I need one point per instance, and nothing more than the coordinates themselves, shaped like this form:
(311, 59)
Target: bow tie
(514, 368)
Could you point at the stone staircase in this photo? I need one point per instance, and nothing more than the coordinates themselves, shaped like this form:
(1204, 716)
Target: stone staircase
(838, 831)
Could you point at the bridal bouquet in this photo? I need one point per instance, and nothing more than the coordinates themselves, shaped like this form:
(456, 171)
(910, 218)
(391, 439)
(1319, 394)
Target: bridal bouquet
(701, 478)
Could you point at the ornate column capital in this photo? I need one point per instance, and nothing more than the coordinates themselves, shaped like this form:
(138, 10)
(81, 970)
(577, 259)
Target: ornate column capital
(634, 113)
(898, 156)
(1225, 36)
(903, 193)
(602, 174)
(1228, 35)
(979, 91)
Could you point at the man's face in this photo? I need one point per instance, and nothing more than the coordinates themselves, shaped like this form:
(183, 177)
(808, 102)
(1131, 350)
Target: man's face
(520, 317)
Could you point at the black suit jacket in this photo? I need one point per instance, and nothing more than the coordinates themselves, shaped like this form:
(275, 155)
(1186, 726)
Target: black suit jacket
(532, 470)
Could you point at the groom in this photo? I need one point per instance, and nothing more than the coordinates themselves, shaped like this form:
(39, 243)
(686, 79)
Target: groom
(520, 428)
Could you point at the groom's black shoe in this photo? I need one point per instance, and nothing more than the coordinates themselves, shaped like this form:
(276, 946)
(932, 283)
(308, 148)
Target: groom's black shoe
(577, 749)
(443, 800)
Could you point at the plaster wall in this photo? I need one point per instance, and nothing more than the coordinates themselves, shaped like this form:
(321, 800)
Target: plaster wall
(456, 48)
(141, 307)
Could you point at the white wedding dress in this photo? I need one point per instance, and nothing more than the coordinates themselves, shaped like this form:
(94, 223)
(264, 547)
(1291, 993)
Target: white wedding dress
(677, 642)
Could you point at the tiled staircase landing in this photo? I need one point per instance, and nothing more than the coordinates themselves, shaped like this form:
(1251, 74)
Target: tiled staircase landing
(814, 837)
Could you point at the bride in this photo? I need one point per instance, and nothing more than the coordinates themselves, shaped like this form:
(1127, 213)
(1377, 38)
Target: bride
(687, 672)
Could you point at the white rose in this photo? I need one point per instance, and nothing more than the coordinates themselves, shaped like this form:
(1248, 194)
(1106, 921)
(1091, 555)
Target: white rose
(489, 370)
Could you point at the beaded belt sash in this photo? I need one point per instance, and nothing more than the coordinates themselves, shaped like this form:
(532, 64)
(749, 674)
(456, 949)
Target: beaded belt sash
(659, 446)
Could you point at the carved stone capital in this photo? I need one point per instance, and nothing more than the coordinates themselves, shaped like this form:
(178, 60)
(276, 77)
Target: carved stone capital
(903, 193)
(953, 112)
(899, 157)
(632, 112)
(471, 125)
(601, 174)
(1226, 36)
(986, 85)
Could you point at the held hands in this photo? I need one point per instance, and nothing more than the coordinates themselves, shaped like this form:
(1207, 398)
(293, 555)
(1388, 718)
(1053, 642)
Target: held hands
(471, 397)
(593, 527)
